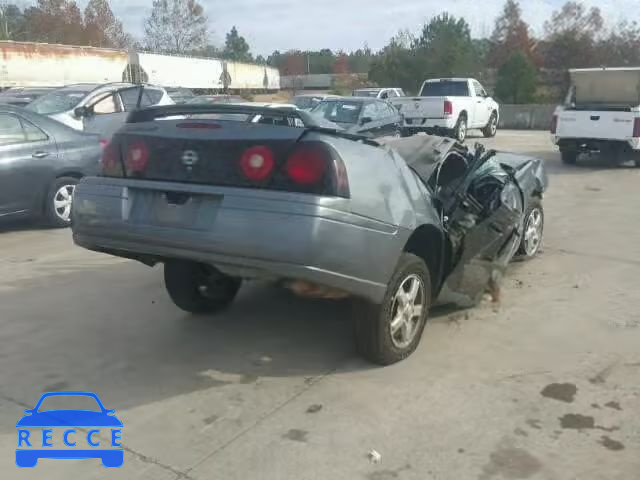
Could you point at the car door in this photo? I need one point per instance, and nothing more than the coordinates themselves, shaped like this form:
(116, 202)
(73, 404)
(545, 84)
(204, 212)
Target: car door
(104, 114)
(392, 122)
(369, 121)
(482, 214)
(27, 155)
(482, 109)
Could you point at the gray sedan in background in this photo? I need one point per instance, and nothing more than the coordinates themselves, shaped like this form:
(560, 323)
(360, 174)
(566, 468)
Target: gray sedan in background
(41, 161)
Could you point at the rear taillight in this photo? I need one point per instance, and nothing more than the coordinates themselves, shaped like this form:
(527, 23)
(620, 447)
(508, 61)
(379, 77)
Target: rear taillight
(554, 124)
(448, 107)
(137, 157)
(110, 161)
(257, 163)
(307, 165)
(636, 128)
(104, 142)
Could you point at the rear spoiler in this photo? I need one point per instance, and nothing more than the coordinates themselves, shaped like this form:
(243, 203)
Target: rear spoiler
(311, 123)
(149, 114)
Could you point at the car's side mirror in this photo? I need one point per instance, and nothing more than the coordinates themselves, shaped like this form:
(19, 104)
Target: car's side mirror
(365, 120)
(81, 112)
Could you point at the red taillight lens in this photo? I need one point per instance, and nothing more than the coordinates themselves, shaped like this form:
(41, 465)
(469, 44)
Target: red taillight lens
(448, 107)
(307, 165)
(257, 163)
(636, 128)
(554, 124)
(137, 156)
(104, 142)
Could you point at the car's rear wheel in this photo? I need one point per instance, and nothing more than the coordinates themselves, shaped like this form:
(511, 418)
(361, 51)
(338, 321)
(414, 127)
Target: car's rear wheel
(492, 126)
(199, 288)
(460, 130)
(59, 202)
(533, 230)
(569, 157)
(391, 331)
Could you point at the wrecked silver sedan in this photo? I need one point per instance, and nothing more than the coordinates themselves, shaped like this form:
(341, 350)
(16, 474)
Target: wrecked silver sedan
(218, 198)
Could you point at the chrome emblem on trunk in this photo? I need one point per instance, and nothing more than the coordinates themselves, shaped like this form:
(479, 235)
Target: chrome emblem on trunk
(189, 158)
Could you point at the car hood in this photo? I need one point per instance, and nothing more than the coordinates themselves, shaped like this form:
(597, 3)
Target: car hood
(69, 418)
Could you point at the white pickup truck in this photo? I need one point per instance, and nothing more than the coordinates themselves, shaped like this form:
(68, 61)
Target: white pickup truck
(449, 107)
(601, 113)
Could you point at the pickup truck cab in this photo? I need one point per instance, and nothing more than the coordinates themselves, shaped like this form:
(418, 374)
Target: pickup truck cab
(380, 93)
(601, 113)
(449, 107)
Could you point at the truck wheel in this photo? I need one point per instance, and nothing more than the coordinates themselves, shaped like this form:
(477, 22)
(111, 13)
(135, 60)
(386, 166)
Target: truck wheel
(569, 157)
(492, 127)
(199, 288)
(57, 209)
(391, 331)
(533, 230)
(460, 130)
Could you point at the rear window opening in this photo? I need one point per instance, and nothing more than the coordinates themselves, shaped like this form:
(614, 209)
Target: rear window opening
(445, 88)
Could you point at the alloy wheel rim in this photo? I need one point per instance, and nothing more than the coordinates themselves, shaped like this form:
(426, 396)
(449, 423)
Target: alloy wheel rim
(62, 202)
(494, 125)
(533, 232)
(462, 131)
(406, 311)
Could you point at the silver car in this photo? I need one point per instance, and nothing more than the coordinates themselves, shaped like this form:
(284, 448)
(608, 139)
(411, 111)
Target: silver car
(321, 211)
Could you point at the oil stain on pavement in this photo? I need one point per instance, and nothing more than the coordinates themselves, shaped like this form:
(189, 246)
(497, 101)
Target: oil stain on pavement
(296, 435)
(512, 463)
(563, 392)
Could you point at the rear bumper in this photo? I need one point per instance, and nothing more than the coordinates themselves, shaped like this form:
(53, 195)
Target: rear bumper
(432, 126)
(246, 234)
(578, 143)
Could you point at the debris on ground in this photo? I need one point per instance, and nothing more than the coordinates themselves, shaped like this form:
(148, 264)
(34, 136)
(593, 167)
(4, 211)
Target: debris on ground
(373, 456)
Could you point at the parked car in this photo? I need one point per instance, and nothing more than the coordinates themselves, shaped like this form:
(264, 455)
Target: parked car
(210, 99)
(323, 212)
(449, 106)
(308, 101)
(601, 113)
(180, 95)
(41, 160)
(98, 108)
(382, 93)
(22, 96)
(369, 116)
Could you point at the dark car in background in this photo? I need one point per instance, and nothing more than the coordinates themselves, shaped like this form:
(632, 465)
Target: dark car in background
(366, 116)
(22, 96)
(180, 95)
(41, 161)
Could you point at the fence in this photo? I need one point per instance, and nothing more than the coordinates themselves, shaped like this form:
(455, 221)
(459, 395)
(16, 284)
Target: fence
(526, 117)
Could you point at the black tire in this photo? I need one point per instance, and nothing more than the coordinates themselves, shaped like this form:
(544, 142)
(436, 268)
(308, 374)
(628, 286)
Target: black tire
(374, 340)
(525, 252)
(492, 126)
(460, 130)
(569, 157)
(397, 133)
(54, 208)
(199, 288)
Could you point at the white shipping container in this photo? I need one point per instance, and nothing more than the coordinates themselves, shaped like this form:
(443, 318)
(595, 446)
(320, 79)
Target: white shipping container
(28, 64)
(273, 76)
(247, 76)
(176, 71)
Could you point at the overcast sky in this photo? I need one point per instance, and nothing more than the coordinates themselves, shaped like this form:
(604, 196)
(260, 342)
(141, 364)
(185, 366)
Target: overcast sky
(347, 24)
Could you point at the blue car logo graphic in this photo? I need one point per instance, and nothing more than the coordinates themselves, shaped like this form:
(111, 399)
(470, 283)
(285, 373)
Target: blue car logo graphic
(74, 428)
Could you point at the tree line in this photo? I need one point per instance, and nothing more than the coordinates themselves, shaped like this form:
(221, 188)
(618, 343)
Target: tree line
(574, 36)
(173, 26)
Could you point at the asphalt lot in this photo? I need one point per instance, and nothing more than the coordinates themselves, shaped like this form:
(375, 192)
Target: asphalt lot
(545, 386)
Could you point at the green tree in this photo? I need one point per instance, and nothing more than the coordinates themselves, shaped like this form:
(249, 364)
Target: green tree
(176, 26)
(396, 65)
(444, 47)
(517, 79)
(510, 34)
(571, 37)
(12, 23)
(236, 47)
(102, 29)
(54, 21)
